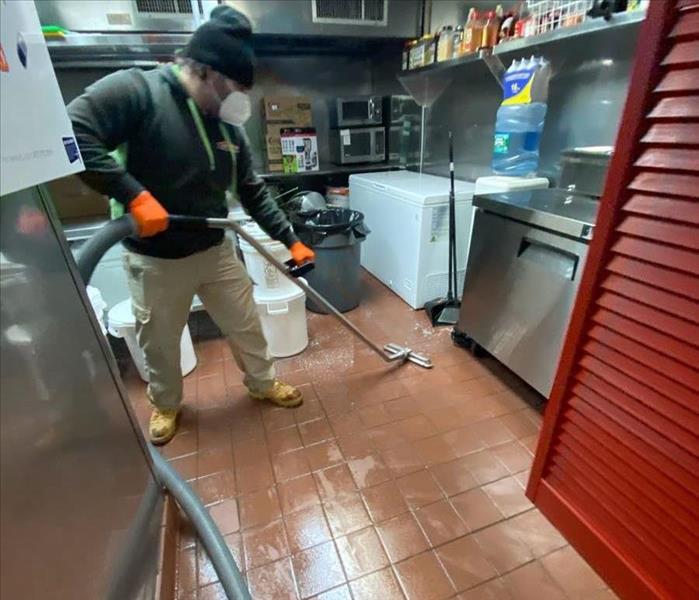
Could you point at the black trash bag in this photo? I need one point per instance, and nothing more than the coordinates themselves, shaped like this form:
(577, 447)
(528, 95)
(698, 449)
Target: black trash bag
(313, 227)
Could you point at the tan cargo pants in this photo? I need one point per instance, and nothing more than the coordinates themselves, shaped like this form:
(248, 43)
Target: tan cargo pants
(161, 293)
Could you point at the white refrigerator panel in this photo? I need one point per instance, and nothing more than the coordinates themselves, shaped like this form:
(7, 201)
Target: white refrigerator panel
(393, 262)
(412, 187)
(407, 248)
(37, 142)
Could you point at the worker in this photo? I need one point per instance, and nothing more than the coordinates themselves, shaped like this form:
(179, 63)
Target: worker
(170, 140)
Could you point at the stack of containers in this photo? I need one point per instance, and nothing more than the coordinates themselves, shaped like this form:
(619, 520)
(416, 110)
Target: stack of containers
(280, 303)
(280, 113)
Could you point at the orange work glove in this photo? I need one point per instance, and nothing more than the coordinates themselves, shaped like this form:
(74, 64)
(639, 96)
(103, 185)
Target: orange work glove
(301, 253)
(149, 214)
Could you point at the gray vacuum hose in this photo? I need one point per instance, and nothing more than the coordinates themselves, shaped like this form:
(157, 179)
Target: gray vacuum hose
(92, 251)
(228, 573)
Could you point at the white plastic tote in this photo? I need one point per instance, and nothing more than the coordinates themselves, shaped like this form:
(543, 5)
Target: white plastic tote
(283, 318)
(122, 324)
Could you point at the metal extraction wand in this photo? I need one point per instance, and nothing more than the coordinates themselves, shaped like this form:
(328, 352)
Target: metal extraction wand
(389, 352)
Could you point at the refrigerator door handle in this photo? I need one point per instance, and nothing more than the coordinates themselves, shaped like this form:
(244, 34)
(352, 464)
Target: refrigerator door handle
(553, 252)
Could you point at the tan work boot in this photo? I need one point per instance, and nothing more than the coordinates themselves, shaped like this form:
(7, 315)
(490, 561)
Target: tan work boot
(281, 394)
(163, 425)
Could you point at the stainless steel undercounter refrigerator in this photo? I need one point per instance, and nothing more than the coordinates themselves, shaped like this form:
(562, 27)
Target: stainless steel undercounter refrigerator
(528, 250)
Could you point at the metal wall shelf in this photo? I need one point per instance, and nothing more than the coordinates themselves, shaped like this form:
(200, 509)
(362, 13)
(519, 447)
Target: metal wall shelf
(82, 50)
(427, 83)
(330, 169)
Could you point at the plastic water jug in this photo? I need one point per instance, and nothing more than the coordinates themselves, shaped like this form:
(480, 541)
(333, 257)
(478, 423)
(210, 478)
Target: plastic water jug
(520, 118)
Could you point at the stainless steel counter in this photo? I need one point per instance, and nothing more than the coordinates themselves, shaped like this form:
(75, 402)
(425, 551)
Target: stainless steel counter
(569, 213)
(528, 250)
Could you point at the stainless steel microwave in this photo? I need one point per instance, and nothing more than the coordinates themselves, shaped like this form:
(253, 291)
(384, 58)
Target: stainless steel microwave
(409, 145)
(393, 145)
(358, 145)
(352, 111)
(397, 108)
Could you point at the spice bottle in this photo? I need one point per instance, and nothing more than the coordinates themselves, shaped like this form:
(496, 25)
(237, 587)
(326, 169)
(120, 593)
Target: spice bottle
(458, 40)
(430, 49)
(445, 43)
(416, 56)
(406, 55)
(490, 31)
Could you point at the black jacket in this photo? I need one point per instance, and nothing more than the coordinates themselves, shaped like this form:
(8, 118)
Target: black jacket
(147, 111)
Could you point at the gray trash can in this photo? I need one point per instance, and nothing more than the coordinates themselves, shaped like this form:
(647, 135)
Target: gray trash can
(335, 234)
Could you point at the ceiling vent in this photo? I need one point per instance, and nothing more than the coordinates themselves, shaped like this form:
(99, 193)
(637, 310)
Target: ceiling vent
(164, 6)
(351, 12)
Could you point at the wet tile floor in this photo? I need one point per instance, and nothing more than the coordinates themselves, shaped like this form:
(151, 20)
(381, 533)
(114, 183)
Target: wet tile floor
(389, 482)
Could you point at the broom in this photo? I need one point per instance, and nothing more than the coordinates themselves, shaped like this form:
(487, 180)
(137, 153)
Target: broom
(445, 311)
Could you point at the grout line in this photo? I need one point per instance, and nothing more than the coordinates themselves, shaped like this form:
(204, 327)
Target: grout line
(266, 434)
(429, 549)
(392, 477)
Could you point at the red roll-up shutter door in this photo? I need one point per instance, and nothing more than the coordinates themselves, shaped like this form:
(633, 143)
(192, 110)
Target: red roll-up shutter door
(617, 466)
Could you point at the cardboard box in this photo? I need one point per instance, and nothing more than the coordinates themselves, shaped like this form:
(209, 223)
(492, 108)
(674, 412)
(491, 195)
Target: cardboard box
(72, 199)
(292, 110)
(300, 150)
(283, 112)
(275, 166)
(273, 142)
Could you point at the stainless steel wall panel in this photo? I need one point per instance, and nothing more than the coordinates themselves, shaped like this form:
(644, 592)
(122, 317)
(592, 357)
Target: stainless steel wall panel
(320, 77)
(295, 17)
(113, 15)
(278, 17)
(586, 96)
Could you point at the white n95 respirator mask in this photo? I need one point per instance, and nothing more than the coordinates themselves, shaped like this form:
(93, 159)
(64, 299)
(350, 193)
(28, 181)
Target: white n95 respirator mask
(235, 108)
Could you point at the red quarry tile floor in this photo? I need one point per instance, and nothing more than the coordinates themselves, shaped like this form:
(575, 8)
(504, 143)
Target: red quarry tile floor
(389, 482)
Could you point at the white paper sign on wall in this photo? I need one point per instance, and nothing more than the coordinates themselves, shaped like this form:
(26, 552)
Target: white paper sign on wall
(37, 143)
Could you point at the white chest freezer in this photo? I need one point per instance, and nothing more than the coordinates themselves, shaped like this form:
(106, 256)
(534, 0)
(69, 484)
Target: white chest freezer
(408, 215)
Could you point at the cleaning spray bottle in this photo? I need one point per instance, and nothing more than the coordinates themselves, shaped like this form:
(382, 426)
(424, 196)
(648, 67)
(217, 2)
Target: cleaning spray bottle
(520, 118)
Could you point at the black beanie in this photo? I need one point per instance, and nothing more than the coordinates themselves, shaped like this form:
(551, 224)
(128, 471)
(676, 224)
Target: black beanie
(222, 44)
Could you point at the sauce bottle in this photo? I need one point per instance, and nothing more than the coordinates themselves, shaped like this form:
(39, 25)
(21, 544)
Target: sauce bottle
(507, 27)
(490, 31)
(500, 14)
(473, 32)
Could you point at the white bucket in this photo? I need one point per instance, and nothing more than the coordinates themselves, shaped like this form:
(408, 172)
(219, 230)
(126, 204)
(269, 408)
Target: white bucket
(264, 274)
(239, 215)
(122, 324)
(283, 318)
(98, 305)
